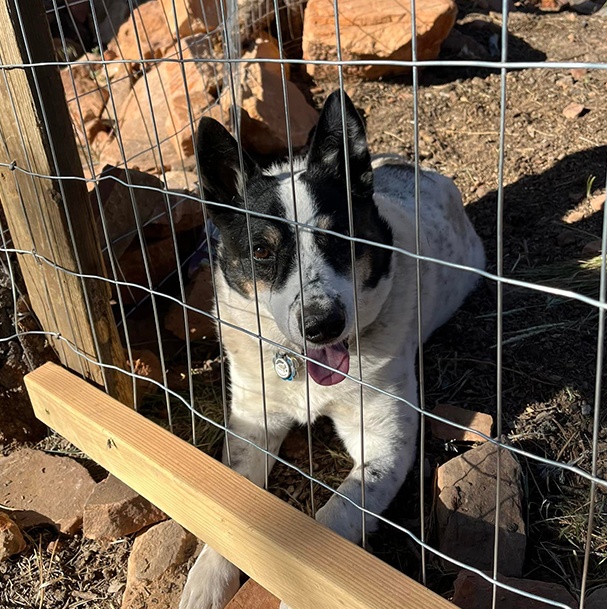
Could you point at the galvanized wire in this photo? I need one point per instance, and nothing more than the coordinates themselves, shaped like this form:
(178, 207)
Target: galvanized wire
(232, 64)
(500, 302)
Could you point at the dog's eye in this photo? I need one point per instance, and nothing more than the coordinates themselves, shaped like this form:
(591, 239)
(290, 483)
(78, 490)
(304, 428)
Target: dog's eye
(261, 253)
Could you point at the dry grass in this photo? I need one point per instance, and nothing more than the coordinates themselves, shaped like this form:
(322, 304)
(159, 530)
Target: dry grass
(580, 276)
(64, 572)
(184, 421)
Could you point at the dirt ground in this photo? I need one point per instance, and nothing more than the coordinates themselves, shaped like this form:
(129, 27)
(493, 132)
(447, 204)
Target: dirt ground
(553, 166)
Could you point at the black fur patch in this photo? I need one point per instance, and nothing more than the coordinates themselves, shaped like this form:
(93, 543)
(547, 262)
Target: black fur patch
(235, 250)
(331, 197)
(326, 176)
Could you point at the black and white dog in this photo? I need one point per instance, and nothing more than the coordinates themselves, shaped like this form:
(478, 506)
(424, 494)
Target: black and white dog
(308, 300)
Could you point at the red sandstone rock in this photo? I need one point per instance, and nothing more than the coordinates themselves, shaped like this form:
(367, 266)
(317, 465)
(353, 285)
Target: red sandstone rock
(44, 489)
(114, 510)
(381, 33)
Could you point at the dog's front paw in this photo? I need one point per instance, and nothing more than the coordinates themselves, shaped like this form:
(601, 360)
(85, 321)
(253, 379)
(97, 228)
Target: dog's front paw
(211, 582)
(341, 517)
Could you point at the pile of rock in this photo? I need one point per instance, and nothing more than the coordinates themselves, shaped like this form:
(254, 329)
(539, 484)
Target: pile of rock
(138, 104)
(38, 489)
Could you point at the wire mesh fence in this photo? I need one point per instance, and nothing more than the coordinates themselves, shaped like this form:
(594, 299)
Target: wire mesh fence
(137, 80)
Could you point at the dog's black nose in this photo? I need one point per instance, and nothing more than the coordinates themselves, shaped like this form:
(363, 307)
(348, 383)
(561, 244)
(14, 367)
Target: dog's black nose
(323, 324)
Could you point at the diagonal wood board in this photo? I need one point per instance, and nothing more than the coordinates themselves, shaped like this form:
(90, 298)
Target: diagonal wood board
(285, 551)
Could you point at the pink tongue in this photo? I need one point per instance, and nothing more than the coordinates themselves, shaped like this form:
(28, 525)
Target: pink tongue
(335, 356)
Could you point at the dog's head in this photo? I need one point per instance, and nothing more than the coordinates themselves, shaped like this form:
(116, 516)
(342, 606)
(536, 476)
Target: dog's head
(315, 194)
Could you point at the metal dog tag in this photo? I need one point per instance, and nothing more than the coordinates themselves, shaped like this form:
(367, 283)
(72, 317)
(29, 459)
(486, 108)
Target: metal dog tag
(285, 366)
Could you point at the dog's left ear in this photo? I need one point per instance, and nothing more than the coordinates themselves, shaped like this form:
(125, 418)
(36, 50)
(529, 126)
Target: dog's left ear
(327, 154)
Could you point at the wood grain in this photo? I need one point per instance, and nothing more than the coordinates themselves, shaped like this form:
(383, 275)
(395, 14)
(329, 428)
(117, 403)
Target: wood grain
(34, 122)
(285, 551)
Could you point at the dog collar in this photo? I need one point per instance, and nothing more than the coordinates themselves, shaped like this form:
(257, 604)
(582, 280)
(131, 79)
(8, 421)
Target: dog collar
(285, 366)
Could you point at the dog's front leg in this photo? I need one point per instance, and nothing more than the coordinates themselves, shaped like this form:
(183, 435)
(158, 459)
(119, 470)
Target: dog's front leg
(390, 433)
(213, 580)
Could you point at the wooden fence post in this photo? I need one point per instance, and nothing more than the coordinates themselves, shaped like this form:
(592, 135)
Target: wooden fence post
(47, 214)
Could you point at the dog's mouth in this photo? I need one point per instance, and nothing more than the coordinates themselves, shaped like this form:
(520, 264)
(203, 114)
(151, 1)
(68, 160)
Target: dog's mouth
(335, 356)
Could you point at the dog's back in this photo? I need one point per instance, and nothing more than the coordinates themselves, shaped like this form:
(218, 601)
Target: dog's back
(446, 234)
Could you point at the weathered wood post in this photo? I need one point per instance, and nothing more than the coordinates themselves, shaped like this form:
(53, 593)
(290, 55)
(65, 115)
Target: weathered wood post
(48, 215)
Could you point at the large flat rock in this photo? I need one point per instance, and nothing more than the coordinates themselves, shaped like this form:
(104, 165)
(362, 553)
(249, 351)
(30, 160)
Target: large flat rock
(382, 31)
(466, 510)
(44, 489)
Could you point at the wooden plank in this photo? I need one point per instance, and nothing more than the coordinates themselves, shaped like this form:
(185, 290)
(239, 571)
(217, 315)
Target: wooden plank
(39, 209)
(285, 551)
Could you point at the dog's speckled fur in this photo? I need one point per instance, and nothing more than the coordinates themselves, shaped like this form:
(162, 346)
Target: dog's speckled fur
(384, 212)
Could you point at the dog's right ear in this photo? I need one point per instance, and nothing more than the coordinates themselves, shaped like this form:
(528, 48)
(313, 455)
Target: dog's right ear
(328, 154)
(223, 178)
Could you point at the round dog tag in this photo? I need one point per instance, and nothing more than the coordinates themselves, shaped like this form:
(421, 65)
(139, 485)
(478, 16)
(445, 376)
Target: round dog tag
(285, 366)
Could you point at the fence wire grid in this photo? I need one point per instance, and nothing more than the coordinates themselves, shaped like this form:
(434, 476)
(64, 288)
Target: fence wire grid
(221, 66)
